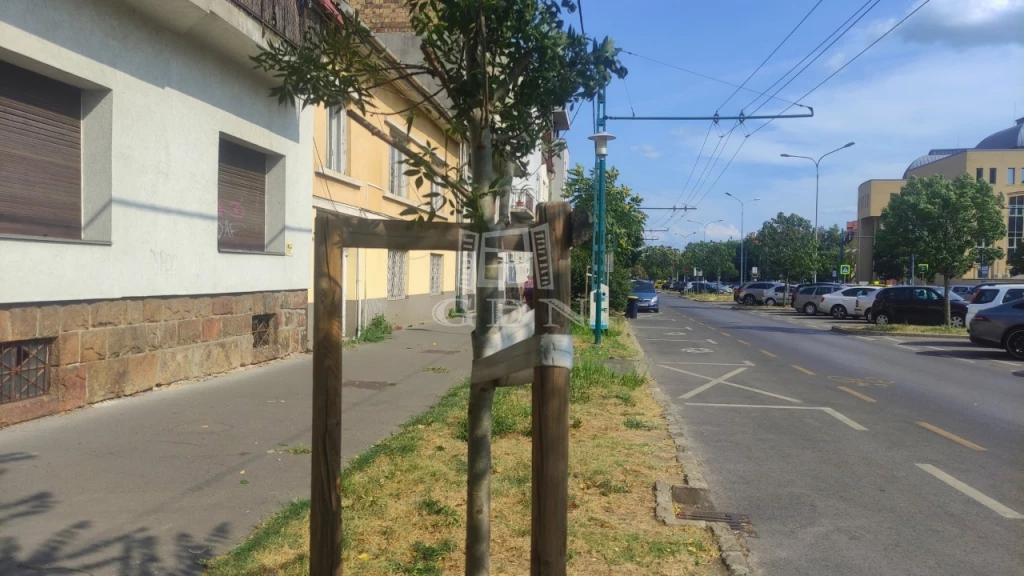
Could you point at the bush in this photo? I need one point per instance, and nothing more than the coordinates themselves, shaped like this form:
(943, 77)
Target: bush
(378, 329)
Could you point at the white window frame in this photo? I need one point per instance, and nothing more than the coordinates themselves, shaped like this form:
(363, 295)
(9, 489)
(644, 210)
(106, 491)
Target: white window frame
(398, 182)
(437, 202)
(337, 133)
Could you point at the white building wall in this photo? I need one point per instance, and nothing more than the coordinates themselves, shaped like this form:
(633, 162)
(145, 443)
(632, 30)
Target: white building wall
(174, 93)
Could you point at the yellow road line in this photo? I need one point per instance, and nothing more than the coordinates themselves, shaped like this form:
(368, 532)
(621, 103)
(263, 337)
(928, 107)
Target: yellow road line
(802, 369)
(743, 342)
(863, 397)
(724, 334)
(951, 436)
(767, 353)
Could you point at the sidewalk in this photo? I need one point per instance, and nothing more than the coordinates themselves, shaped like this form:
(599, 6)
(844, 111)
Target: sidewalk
(150, 485)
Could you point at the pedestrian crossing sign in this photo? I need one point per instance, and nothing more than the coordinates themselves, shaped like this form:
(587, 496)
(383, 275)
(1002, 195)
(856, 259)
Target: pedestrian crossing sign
(844, 269)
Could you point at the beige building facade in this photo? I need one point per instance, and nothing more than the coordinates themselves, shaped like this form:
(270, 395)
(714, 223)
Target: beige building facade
(998, 160)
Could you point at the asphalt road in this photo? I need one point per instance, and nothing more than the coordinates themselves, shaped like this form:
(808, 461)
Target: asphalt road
(851, 456)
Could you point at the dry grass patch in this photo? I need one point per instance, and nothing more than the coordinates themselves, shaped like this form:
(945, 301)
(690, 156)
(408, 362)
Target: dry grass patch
(404, 499)
(709, 297)
(909, 329)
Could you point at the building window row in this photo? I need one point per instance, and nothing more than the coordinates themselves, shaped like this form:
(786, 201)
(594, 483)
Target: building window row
(1011, 175)
(1015, 224)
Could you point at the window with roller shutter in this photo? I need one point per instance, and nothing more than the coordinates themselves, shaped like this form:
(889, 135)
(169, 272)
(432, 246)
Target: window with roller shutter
(241, 198)
(40, 155)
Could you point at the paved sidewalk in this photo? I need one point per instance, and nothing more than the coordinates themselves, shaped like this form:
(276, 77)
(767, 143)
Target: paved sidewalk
(150, 485)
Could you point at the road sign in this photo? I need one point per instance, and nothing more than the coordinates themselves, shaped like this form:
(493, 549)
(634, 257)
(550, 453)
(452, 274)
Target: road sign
(983, 272)
(922, 267)
(698, 272)
(844, 269)
(753, 269)
(833, 273)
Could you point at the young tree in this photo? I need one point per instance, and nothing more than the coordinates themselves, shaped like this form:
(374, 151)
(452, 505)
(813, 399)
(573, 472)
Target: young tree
(661, 262)
(951, 218)
(504, 65)
(790, 247)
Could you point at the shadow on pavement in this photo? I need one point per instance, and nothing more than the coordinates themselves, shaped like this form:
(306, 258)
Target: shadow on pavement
(966, 354)
(777, 329)
(73, 550)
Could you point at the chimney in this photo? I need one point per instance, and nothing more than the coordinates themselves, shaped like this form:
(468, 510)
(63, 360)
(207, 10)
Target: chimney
(383, 16)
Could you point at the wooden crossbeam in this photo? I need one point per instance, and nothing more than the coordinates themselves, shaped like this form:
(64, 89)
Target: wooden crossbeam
(359, 232)
(525, 353)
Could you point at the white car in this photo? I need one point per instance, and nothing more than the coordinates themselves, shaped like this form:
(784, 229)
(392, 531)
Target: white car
(862, 304)
(843, 303)
(990, 296)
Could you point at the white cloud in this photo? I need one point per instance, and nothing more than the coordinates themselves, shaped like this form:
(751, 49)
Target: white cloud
(966, 23)
(646, 150)
(719, 232)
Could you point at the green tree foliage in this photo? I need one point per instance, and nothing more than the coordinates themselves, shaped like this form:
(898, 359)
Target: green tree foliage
(661, 262)
(942, 222)
(787, 244)
(625, 234)
(1016, 262)
(714, 259)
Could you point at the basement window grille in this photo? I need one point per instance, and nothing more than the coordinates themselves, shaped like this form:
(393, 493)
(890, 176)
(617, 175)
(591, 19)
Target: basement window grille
(24, 370)
(436, 269)
(398, 268)
(262, 327)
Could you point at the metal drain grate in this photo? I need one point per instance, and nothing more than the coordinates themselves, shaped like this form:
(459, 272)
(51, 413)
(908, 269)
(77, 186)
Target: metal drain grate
(364, 384)
(738, 522)
(436, 351)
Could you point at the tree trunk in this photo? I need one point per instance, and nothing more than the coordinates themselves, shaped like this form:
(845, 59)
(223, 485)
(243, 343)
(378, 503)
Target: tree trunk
(945, 305)
(481, 396)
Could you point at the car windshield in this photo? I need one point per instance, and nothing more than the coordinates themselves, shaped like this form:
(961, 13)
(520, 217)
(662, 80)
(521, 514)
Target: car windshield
(642, 286)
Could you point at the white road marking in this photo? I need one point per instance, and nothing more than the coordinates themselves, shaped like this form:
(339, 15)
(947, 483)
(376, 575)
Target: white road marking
(779, 396)
(1014, 364)
(865, 338)
(696, 350)
(965, 360)
(975, 495)
(712, 341)
(673, 340)
(933, 348)
(688, 328)
(829, 411)
(897, 340)
(745, 363)
(722, 380)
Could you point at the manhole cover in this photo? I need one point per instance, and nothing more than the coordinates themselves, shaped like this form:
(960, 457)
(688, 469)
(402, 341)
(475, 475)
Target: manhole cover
(364, 384)
(436, 351)
(738, 522)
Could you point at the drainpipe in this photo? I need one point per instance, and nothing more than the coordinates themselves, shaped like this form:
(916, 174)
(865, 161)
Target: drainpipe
(359, 292)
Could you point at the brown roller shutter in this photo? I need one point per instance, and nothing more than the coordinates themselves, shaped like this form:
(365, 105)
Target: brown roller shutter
(40, 155)
(241, 198)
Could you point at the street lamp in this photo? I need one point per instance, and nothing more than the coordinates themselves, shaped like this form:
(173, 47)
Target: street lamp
(816, 180)
(601, 140)
(743, 203)
(705, 227)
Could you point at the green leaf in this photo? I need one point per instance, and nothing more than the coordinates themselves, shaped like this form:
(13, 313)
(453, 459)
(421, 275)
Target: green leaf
(419, 181)
(410, 211)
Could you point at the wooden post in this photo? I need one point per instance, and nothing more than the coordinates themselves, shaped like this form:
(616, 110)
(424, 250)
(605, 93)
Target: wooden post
(325, 489)
(551, 402)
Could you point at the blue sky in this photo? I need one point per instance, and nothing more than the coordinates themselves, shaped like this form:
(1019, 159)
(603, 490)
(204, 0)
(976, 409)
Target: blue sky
(949, 76)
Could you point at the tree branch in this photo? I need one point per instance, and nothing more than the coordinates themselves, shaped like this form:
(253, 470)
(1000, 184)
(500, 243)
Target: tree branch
(513, 77)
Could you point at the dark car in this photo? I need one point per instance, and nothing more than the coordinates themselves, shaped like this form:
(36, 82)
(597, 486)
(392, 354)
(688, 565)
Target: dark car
(1001, 326)
(915, 305)
(647, 296)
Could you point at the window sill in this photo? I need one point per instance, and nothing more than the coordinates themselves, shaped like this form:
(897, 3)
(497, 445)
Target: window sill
(19, 238)
(339, 177)
(405, 201)
(251, 252)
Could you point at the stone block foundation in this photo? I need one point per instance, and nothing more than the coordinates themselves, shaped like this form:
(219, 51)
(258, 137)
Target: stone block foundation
(105, 349)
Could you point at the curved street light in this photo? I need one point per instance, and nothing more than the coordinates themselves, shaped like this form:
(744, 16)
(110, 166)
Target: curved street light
(705, 227)
(743, 203)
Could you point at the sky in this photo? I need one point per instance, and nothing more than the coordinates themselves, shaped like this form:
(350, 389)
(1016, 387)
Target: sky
(949, 76)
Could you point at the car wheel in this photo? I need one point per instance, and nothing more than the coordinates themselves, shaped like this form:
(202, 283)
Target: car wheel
(839, 311)
(656, 310)
(957, 321)
(867, 316)
(810, 309)
(769, 301)
(749, 300)
(1015, 344)
(882, 319)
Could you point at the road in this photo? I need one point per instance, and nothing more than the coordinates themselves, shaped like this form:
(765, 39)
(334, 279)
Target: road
(851, 456)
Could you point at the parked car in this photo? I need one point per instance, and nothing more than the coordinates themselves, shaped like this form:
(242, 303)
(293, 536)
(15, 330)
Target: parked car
(961, 290)
(842, 303)
(977, 287)
(1001, 326)
(736, 291)
(808, 297)
(916, 305)
(754, 293)
(701, 287)
(776, 296)
(862, 304)
(647, 296)
(992, 296)
(677, 285)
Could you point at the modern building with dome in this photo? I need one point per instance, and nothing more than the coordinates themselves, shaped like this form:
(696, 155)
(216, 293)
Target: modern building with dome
(998, 159)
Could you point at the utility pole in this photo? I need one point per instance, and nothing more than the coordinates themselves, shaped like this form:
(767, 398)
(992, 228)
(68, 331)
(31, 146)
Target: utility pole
(743, 241)
(816, 181)
(601, 139)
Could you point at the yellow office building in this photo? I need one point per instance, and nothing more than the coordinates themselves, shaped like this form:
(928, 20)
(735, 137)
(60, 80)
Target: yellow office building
(998, 159)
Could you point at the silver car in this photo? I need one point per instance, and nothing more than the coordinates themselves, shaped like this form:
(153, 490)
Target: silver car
(756, 292)
(1000, 327)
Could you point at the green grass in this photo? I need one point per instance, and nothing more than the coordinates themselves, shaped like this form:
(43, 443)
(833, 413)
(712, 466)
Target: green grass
(425, 558)
(709, 297)
(910, 329)
(436, 369)
(634, 423)
(447, 516)
(378, 330)
(300, 449)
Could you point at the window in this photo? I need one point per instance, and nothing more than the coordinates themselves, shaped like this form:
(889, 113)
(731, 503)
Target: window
(854, 292)
(985, 296)
(980, 174)
(41, 155)
(437, 202)
(1011, 176)
(397, 182)
(822, 290)
(398, 265)
(900, 294)
(24, 370)
(1013, 294)
(336, 146)
(241, 198)
(991, 175)
(1015, 224)
(807, 291)
(262, 330)
(436, 273)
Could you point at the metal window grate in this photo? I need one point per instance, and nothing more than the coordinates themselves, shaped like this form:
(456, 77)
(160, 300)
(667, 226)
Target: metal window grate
(24, 370)
(436, 271)
(262, 330)
(398, 265)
